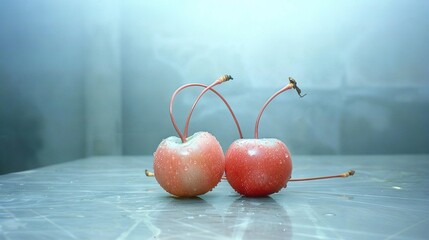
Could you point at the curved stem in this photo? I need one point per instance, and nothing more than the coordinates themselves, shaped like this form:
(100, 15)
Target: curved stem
(287, 87)
(185, 132)
(342, 175)
(173, 121)
(211, 89)
(292, 84)
(220, 80)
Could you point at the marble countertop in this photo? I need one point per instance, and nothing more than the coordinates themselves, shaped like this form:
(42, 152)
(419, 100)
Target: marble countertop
(111, 198)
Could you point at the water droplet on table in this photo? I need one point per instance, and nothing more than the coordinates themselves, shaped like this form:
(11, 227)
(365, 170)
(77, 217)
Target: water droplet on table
(330, 214)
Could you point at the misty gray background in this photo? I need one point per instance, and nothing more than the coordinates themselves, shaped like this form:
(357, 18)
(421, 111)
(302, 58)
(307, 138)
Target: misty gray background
(83, 78)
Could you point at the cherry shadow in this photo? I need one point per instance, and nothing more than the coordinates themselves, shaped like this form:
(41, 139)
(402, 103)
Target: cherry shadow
(257, 218)
(186, 218)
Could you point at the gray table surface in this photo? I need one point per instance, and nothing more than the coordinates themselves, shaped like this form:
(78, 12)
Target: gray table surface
(111, 198)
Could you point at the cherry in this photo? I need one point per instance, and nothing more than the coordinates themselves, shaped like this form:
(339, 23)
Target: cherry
(190, 166)
(260, 167)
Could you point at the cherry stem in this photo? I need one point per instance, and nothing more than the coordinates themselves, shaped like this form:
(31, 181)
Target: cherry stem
(292, 84)
(220, 80)
(342, 175)
(182, 137)
(149, 174)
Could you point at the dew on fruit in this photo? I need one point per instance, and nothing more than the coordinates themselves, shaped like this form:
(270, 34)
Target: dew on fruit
(251, 152)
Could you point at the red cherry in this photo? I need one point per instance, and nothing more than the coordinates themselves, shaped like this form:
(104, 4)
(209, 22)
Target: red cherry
(258, 167)
(191, 168)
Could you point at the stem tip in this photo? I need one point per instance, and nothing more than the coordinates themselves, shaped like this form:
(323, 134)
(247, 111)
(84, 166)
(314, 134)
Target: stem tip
(225, 78)
(293, 82)
(350, 173)
(149, 174)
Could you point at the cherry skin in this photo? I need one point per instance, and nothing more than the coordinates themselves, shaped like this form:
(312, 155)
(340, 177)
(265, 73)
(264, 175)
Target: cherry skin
(191, 168)
(258, 167)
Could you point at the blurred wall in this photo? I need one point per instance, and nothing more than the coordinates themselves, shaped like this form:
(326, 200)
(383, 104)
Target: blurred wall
(81, 78)
(41, 82)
